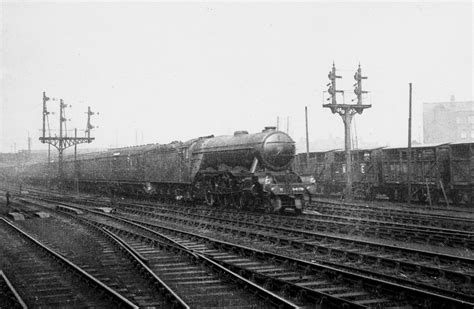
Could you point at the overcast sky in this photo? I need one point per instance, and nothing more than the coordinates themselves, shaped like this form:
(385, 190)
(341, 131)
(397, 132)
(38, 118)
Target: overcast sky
(158, 72)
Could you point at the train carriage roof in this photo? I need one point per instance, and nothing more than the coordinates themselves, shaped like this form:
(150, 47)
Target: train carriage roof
(364, 149)
(462, 143)
(126, 151)
(340, 150)
(322, 151)
(418, 146)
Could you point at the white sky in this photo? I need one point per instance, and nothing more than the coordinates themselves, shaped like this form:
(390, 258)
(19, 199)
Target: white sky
(175, 71)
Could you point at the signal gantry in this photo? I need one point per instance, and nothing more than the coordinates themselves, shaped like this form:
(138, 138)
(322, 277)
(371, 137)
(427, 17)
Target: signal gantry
(63, 141)
(346, 111)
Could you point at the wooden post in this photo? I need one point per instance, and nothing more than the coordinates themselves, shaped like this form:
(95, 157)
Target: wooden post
(444, 193)
(409, 150)
(428, 191)
(307, 136)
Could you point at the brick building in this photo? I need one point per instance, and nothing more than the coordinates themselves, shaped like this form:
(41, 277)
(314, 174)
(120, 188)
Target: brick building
(448, 121)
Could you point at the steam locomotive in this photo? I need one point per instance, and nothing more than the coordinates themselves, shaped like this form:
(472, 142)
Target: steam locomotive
(243, 171)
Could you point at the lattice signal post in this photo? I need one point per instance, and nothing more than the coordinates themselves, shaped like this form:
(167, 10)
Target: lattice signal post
(346, 111)
(62, 141)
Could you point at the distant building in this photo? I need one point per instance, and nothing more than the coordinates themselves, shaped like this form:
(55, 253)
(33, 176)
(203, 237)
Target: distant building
(448, 122)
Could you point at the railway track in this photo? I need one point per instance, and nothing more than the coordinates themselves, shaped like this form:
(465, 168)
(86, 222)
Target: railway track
(423, 268)
(102, 255)
(362, 227)
(201, 282)
(9, 297)
(447, 226)
(401, 216)
(44, 278)
(451, 272)
(189, 280)
(304, 282)
(421, 233)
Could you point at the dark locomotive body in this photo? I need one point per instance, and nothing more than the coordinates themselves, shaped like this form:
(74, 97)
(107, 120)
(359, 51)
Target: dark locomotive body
(437, 170)
(242, 171)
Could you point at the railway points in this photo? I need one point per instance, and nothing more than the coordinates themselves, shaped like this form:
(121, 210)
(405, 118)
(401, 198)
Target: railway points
(292, 236)
(283, 244)
(195, 246)
(200, 245)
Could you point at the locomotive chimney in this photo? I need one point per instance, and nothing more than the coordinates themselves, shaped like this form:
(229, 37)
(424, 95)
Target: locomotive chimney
(269, 129)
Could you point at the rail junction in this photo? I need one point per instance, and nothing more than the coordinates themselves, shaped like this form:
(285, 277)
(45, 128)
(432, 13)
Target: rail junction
(149, 254)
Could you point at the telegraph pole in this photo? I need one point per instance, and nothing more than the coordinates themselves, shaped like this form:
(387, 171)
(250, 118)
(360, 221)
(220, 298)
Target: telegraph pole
(307, 136)
(61, 148)
(29, 145)
(409, 148)
(346, 111)
(63, 141)
(76, 182)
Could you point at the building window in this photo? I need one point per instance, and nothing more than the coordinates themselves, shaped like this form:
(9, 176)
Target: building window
(471, 119)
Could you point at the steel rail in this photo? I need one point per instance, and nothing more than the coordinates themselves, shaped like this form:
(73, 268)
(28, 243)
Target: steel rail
(389, 286)
(265, 294)
(455, 294)
(433, 255)
(179, 302)
(134, 255)
(119, 299)
(13, 290)
(268, 295)
(400, 212)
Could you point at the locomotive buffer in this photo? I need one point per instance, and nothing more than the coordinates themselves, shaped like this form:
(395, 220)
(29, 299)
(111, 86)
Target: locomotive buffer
(346, 111)
(62, 141)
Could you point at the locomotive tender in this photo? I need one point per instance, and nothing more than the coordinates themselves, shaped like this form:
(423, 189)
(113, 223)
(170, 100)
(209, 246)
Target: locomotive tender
(245, 171)
(437, 170)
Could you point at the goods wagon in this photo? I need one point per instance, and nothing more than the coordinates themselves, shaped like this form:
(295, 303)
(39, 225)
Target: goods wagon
(439, 172)
(429, 172)
(329, 170)
(461, 172)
